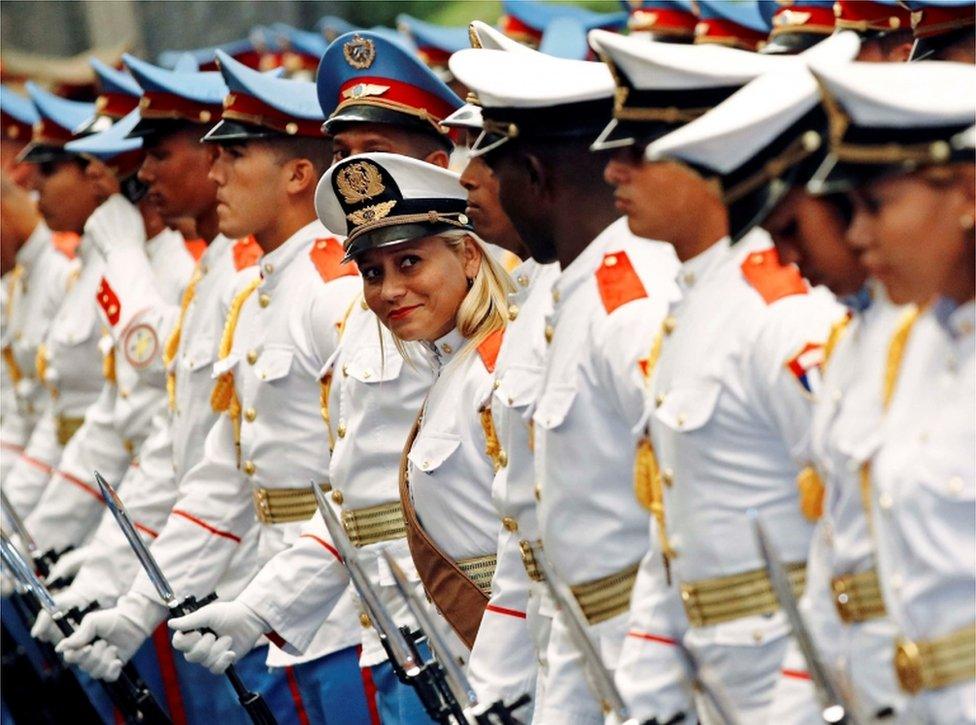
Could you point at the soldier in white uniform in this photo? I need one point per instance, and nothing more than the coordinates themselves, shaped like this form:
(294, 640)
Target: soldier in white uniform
(43, 272)
(588, 359)
(280, 330)
(729, 395)
(913, 212)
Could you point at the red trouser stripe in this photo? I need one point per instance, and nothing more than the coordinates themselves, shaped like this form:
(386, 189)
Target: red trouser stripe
(504, 610)
(37, 463)
(147, 531)
(167, 670)
(296, 696)
(11, 446)
(796, 674)
(81, 484)
(370, 689)
(652, 637)
(203, 524)
(326, 544)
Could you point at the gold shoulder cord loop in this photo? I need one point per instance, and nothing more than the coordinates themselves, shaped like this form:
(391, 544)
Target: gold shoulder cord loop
(173, 341)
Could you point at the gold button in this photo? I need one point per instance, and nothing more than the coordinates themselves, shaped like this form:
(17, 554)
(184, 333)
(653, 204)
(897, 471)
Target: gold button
(522, 280)
(496, 384)
(757, 636)
(365, 621)
(250, 414)
(264, 300)
(669, 324)
(249, 468)
(689, 278)
(680, 420)
(345, 371)
(366, 374)
(502, 458)
(513, 311)
(123, 393)
(659, 400)
(341, 430)
(363, 305)
(667, 475)
(268, 268)
(685, 595)
(252, 356)
(447, 348)
(549, 333)
(510, 524)
(537, 491)
(555, 295)
(337, 497)
(610, 260)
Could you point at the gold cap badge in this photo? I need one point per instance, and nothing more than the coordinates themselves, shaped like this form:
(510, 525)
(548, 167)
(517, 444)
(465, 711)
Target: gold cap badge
(359, 52)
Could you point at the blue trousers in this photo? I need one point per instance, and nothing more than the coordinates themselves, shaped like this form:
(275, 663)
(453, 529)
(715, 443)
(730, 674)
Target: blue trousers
(398, 703)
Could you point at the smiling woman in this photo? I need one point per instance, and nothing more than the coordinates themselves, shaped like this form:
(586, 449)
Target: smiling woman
(429, 278)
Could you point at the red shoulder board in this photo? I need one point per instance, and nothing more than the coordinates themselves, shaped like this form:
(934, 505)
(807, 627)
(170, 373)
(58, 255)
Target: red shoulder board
(617, 281)
(489, 347)
(246, 252)
(109, 302)
(327, 254)
(196, 248)
(770, 278)
(66, 243)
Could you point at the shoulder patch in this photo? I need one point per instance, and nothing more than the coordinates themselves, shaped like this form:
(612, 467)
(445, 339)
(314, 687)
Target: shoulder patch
(66, 243)
(109, 302)
(489, 347)
(196, 248)
(770, 278)
(806, 366)
(326, 255)
(618, 281)
(246, 252)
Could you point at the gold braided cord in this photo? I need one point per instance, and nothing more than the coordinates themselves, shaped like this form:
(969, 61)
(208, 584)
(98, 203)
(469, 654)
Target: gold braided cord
(493, 447)
(836, 334)
(793, 154)
(16, 374)
(173, 341)
(896, 354)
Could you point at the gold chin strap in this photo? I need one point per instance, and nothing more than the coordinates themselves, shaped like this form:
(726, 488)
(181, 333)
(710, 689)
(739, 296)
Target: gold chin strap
(173, 342)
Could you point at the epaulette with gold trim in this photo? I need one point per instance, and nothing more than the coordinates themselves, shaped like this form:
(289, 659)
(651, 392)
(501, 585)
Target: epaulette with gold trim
(326, 254)
(770, 278)
(489, 347)
(247, 252)
(618, 282)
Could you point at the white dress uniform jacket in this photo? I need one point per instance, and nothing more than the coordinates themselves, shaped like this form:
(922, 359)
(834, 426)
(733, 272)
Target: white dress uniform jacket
(71, 363)
(374, 398)
(606, 307)
(118, 422)
(923, 497)
(505, 658)
(177, 434)
(40, 280)
(730, 406)
(286, 330)
(845, 433)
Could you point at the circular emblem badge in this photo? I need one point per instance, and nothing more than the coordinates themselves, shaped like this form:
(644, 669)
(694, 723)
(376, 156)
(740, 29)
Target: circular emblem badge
(359, 52)
(140, 345)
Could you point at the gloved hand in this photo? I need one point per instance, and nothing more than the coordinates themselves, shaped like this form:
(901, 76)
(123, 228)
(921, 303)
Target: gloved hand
(125, 627)
(100, 660)
(66, 566)
(7, 586)
(237, 627)
(116, 224)
(44, 628)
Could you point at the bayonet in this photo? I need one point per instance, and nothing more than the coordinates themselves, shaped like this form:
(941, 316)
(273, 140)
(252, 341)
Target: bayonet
(835, 707)
(131, 695)
(252, 702)
(18, 523)
(567, 604)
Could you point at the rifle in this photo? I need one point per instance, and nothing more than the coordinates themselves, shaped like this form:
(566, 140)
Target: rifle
(130, 694)
(252, 702)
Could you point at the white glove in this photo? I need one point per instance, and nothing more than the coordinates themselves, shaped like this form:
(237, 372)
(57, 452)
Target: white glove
(7, 586)
(116, 224)
(67, 565)
(44, 628)
(125, 626)
(100, 660)
(237, 629)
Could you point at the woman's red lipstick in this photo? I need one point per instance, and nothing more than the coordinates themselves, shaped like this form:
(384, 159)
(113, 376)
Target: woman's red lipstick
(400, 312)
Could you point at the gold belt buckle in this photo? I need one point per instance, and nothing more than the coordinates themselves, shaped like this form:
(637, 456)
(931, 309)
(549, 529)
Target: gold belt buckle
(842, 599)
(528, 559)
(261, 506)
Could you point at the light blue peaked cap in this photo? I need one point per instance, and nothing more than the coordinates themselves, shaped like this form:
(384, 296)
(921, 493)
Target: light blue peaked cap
(565, 38)
(17, 106)
(440, 37)
(204, 87)
(67, 114)
(113, 80)
(746, 13)
(295, 98)
(538, 15)
(111, 142)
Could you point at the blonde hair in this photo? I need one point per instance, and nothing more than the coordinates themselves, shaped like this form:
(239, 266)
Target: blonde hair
(484, 308)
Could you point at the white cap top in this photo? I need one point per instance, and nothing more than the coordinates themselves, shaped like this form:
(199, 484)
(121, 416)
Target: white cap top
(902, 95)
(493, 39)
(966, 139)
(517, 80)
(673, 66)
(734, 131)
(467, 116)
